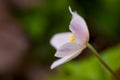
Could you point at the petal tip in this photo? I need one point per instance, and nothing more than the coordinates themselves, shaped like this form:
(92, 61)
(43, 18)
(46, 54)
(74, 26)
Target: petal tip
(70, 10)
(52, 66)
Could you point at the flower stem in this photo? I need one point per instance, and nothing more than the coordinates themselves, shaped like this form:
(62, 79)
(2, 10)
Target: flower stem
(102, 62)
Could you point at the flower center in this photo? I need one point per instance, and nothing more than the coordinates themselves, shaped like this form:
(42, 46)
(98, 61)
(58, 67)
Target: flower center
(72, 39)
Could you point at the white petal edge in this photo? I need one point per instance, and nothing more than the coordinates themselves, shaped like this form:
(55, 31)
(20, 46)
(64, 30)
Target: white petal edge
(60, 39)
(65, 59)
(79, 27)
(67, 49)
(70, 10)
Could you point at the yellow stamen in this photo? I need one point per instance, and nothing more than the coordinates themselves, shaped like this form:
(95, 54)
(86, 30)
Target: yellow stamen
(72, 39)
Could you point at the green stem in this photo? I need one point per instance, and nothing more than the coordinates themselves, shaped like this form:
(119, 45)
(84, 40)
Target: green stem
(102, 62)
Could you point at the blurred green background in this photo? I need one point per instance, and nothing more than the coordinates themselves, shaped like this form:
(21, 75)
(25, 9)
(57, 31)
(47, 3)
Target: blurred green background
(41, 19)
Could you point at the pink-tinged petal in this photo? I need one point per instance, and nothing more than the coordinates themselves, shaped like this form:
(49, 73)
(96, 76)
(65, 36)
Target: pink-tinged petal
(66, 58)
(67, 49)
(60, 39)
(79, 27)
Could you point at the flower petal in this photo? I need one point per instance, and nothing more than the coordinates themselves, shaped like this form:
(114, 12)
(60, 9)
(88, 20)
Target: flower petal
(66, 58)
(79, 27)
(67, 49)
(60, 39)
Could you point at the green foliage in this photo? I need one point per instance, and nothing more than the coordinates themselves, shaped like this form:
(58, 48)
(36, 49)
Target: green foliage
(90, 68)
(35, 25)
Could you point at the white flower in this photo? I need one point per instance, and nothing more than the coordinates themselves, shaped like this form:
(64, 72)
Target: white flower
(70, 44)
